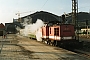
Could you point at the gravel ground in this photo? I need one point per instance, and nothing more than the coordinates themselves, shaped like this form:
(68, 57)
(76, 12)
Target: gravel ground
(22, 48)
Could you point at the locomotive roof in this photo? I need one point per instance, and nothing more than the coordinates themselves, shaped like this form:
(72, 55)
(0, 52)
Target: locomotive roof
(58, 24)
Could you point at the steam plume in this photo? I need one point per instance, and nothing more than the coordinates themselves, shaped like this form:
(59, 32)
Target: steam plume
(34, 29)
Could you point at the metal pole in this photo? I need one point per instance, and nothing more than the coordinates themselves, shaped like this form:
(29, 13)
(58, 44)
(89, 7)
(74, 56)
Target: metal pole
(87, 31)
(1, 46)
(75, 15)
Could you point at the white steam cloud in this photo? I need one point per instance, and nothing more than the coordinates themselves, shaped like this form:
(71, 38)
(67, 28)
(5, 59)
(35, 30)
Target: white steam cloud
(33, 29)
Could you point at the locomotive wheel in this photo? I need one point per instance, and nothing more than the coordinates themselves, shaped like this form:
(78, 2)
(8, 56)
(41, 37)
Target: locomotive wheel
(54, 43)
(48, 42)
(43, 40)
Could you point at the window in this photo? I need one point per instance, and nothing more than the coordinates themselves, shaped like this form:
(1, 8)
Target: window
(50, 30)
(56, 31)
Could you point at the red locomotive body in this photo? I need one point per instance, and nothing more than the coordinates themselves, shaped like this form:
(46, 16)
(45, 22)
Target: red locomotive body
(45, 32)
(58, 34)
(54, 32)
(67, 31)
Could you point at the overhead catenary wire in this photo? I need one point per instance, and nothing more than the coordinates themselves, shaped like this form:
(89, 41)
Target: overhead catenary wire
(83, 7)
(44, 4)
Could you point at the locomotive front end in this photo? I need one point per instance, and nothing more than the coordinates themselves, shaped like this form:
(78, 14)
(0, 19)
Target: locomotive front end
(67, 32)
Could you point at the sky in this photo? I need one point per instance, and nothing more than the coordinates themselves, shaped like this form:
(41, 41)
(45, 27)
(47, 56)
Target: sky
(9, 8)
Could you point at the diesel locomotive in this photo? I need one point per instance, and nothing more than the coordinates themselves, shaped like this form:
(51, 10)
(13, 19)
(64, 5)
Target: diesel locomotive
(58, 35)
(62, 34)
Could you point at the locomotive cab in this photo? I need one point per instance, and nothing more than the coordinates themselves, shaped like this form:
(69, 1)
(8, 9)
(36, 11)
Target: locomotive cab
(61, 32)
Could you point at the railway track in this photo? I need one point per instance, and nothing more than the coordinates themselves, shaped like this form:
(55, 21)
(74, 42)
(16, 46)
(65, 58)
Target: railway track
(84, 51)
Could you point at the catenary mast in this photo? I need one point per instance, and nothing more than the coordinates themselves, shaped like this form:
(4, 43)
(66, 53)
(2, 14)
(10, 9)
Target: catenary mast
(75, 12)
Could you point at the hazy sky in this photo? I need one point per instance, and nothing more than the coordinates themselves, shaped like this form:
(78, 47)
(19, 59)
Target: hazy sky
(8, 8)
